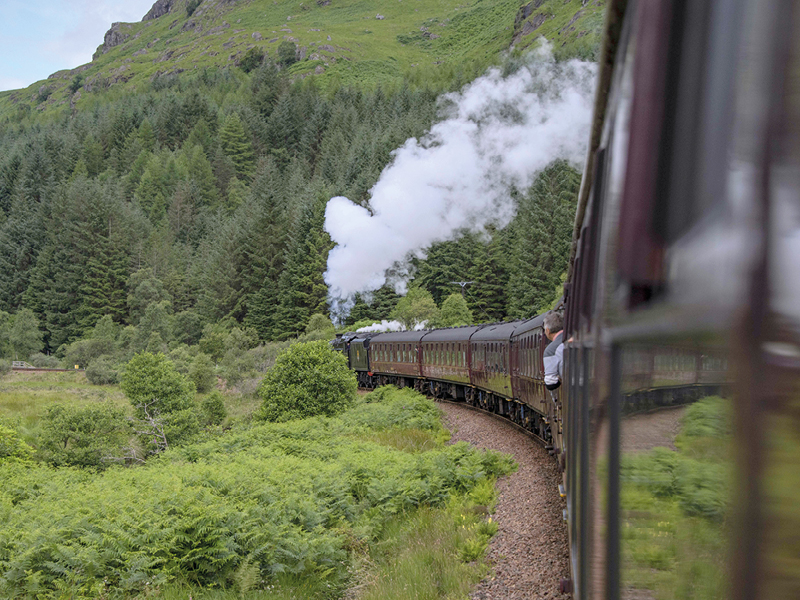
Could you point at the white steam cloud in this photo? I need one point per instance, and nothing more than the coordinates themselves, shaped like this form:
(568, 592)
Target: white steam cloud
(382, 327)
(498, 133)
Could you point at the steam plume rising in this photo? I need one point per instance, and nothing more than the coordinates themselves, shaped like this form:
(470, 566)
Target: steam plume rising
(498, 133)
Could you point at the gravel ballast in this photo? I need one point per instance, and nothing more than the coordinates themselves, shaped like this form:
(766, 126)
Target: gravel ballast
(529, 554)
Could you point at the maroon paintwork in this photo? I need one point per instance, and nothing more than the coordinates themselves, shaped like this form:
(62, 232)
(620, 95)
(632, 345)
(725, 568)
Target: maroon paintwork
(397, 353)
(527, 369)
(446, 354)
(491, 358)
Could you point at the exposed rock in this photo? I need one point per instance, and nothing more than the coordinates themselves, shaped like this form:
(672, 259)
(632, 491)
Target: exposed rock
(159, 9)
(323, 2)
(218, 29)
(329, 38)
(312, 29)
(273, 40)
(302, 53)
(139, 52)
(529, 27)
(380, 17)
(327, 48)
(166, 55)
(192, 24)
(256, 36)
(114, 37)
(525, 12)
(569, 26)
(319, 70)
(172, 25)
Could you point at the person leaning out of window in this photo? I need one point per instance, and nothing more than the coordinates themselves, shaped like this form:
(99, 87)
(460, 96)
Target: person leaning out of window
(554, 353)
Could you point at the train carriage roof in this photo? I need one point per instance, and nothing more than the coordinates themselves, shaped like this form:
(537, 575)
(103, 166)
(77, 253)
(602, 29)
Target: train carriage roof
(399, 336)
(451, 334)
(496, 331)
(530, 324)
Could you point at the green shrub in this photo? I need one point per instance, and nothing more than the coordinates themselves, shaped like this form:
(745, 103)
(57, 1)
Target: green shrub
(83, 352)
(102, 371)
(201, 372)
(82, 437)
(278, 498)
(12, 447)
(43, 361)
(181, 426)
(191, 6)
(214, 408)
(287, 53)
(150, 380)
(252, 59)
(308, 379)
(5, 367)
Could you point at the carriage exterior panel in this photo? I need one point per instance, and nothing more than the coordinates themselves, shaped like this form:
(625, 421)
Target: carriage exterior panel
(527, 368)
(490, 349)
(397, 353)
(446, 354)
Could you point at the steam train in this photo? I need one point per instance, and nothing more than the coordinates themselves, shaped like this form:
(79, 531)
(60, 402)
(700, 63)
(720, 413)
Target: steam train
(684, 281)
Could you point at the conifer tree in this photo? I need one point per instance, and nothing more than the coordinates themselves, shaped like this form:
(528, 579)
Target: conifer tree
(236, 144)
(541, 240)
(486, 295)
(302, 288)
(376, 306)
(263, 248)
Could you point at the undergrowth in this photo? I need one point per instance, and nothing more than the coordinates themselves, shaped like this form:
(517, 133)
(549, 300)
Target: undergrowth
(273, 510)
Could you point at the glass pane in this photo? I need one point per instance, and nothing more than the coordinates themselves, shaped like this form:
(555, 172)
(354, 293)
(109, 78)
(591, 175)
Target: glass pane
(676, 472)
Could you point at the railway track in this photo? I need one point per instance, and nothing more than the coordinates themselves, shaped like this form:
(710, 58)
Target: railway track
(529, 554)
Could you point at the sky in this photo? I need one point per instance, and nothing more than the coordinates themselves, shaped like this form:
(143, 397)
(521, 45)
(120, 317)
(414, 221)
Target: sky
(40, 37)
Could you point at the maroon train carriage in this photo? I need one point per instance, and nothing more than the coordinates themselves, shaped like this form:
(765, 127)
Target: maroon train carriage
(491, 366)
(538, 411)
(395, 358)
(446, 362)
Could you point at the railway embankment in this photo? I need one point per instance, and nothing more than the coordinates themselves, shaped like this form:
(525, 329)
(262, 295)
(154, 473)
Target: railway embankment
(529, 553)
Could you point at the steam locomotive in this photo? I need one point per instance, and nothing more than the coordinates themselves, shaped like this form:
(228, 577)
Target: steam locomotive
(683, 282)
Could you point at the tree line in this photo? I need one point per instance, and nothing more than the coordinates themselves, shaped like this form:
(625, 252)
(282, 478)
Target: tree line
(200, 201)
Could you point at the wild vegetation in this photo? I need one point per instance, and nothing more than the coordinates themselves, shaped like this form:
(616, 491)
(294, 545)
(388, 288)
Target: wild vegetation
(161, 218)
(264, 508)
(342, 43)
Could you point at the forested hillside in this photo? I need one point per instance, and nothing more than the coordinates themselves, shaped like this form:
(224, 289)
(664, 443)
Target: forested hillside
(198, 199)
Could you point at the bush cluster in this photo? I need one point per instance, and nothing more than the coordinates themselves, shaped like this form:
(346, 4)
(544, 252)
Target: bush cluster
(12, 447)
(308, 379)
(277, 498)
(83, 437)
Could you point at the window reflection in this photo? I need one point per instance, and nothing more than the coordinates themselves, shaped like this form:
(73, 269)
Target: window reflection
(676, 473)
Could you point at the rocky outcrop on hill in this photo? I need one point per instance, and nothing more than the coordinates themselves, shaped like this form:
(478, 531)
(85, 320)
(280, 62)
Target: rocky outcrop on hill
(159, 9)
(114, 37)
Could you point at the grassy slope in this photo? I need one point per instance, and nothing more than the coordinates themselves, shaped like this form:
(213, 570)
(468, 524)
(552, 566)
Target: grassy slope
(415, 35)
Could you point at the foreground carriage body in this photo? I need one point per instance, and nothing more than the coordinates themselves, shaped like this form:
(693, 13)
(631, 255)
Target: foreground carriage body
(684, 282)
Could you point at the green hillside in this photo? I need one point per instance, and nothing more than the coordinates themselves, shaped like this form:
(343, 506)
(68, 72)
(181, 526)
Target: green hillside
(360, 42)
